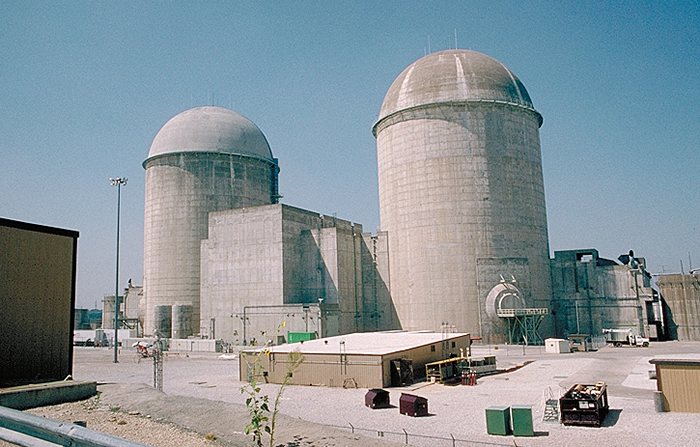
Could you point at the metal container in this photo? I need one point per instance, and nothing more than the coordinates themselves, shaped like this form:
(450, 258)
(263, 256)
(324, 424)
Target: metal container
(182, 320)
(521, 416)
(377, 398)
(413, 405)
(498, 421)
(296, 337)
(584, 405)
(163, 320)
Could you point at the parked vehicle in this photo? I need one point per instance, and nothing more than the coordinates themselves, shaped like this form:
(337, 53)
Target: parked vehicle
(619, 337)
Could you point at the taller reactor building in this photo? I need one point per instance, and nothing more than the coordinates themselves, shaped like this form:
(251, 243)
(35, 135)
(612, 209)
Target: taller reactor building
(463, 222)
(461, 194)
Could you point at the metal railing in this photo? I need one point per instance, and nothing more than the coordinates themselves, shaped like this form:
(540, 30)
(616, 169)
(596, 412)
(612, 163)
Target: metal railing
(520, 312)
(59, 433)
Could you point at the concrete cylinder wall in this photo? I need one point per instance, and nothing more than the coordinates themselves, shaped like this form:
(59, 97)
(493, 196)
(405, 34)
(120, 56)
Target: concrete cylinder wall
(205, 159)
(461, 194)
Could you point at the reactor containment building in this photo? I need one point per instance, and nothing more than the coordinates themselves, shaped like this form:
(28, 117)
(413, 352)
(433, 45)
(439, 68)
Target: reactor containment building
(461, 194)
(463, 234)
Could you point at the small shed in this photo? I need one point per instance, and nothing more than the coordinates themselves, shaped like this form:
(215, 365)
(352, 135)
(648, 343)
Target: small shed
(678, 380)
(377, 398)
(412, 405)
(556, 345)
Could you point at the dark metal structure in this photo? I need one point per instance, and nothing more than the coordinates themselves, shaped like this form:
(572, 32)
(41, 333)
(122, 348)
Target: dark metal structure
(377, 398)
(413, 405)
(585, 405)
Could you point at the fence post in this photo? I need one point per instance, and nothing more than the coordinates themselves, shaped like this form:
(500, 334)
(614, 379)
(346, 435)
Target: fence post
(405, 433)
(453, 440)
(352, 429)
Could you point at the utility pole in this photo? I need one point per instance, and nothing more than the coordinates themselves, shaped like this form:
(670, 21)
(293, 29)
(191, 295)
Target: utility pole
(118, 182)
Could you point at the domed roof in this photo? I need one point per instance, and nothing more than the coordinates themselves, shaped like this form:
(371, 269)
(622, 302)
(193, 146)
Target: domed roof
(210, 129)
(454, 75)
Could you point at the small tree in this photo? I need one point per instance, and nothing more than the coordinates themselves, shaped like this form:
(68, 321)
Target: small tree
(294, 360)
(262, 420)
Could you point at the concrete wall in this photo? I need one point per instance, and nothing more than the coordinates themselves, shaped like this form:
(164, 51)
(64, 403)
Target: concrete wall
(379, 310)
(37, 292)
(681, 293)
(241, 265)
(273, 265)
(181, 190)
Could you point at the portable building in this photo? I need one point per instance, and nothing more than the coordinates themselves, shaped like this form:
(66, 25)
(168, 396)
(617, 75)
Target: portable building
(556, 345)
(359, 360)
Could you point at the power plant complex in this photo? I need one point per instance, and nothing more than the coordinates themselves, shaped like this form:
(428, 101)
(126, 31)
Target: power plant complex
(462, 245)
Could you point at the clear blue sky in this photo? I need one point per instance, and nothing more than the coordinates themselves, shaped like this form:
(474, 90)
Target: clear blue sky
(85, 86)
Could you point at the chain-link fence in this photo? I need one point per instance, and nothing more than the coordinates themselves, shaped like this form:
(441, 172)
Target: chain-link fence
(422, 440)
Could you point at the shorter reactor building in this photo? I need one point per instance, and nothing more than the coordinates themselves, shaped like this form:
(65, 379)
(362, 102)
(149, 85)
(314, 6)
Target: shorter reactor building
(224, 260)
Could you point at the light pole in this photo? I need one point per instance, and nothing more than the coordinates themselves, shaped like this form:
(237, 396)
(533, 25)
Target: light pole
(118, 182)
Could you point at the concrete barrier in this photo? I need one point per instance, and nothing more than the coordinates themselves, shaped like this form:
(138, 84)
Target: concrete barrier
(50, 393)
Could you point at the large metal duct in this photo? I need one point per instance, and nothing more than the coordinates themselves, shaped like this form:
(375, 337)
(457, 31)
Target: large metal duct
(461, 193)
(204, 159)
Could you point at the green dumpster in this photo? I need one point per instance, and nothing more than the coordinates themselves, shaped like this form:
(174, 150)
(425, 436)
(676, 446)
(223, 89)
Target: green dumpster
(522, 420)
(498, 421)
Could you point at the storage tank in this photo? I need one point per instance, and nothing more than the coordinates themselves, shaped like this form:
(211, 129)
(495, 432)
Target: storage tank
(182, 320)
(204, 159)
(162, 316)
(461, 193)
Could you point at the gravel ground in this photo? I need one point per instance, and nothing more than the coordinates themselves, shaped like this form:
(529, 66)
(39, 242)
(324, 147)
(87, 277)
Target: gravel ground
(202, 393)
(133, 425)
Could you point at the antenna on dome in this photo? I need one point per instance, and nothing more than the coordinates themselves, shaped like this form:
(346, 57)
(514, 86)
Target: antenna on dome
(455, 38)
(428, 43)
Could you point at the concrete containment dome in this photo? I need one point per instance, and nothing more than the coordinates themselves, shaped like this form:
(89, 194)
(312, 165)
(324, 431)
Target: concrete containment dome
(210, 129)
(461, 193)
(454, 76)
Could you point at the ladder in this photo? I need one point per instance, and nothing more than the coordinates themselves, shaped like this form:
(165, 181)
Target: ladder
(551, 406)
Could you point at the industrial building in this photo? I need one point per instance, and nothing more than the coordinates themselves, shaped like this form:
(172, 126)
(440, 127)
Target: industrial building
(461, 194)
(590, 293)
(222, 259)
(202, 160)
(681, 296)
(359, 360)
(37, 292)
(463, 244)
(270, 265)
(458, 220)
